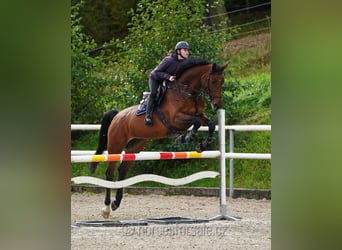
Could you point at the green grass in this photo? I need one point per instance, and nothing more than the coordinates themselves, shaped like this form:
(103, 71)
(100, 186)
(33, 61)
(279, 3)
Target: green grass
(252, 173)
(250, 55)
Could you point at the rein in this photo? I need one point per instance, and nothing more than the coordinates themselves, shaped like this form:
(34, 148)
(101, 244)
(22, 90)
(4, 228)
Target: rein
(199, 92)
(184, 92)
(190, 95)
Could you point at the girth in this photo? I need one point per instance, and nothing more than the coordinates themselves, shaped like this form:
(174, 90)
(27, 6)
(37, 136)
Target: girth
(172, 131)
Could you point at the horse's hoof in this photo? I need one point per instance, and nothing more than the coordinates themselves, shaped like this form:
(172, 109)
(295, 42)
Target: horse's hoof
(105, 212)
(200, 148)
(114, 206)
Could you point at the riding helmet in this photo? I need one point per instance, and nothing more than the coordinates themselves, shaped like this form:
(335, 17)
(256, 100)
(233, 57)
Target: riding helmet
(182, 45)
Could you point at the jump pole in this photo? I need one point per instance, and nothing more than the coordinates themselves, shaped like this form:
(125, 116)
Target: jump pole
(223, 198)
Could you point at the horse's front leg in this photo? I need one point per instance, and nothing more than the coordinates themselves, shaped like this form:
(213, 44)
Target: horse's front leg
(205, 144)
(191, 134)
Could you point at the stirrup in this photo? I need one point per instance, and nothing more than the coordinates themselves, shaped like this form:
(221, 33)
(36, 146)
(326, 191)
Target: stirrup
(148, 121)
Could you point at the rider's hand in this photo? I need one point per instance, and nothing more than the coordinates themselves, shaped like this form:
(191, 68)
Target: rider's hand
(172, 78)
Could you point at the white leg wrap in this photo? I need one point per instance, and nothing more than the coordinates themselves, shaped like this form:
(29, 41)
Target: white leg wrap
(105, 212)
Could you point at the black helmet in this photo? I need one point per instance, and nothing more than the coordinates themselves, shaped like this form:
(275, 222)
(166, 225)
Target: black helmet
(182, 45)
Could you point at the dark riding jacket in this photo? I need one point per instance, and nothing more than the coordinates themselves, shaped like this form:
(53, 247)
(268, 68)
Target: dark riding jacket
(167, 67)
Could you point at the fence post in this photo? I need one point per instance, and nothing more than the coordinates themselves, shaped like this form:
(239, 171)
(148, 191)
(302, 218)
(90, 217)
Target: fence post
(231, 163)
(222, 148)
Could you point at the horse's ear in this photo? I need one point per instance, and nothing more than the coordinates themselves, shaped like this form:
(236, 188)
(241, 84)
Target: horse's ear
(216, 68)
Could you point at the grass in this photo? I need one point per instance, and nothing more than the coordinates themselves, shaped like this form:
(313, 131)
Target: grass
(250, 55)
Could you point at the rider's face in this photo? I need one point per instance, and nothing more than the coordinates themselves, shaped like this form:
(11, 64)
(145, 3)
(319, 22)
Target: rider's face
(184, 52)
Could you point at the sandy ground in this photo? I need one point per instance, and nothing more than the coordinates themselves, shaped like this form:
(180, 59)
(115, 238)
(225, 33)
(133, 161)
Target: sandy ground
(252, 231)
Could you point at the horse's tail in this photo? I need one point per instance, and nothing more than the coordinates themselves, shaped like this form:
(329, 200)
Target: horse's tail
(103, 138)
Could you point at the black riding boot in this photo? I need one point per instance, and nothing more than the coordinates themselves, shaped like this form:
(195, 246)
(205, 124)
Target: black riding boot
(149, 111)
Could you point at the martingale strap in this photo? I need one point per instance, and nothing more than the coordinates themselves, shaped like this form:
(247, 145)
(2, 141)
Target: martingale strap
(171, 130)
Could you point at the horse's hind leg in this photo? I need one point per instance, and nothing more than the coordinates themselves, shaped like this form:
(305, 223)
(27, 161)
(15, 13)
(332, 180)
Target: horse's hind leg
(134, 146)
(109, 177)
(123, 169)
(103, 138)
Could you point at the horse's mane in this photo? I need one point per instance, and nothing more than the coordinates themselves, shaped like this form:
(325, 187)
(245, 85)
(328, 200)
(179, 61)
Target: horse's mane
(190, 63)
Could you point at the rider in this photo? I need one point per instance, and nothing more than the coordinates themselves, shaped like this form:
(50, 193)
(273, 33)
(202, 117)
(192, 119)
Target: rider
(166, 70)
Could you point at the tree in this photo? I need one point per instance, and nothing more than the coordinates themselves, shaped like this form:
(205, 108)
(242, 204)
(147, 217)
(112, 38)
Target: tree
(156, 26)
(117, 80)
(88, 86)
(106, 19)
(216, 12)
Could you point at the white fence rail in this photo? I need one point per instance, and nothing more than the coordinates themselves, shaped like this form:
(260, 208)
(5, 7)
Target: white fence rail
(227, 127)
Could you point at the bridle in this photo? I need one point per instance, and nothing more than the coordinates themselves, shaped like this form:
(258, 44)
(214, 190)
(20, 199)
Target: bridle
(190, 92)
(207, 88)
(199, 93)
(196, 94)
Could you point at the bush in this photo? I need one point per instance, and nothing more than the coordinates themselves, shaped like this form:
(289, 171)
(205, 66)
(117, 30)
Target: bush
(247, 97)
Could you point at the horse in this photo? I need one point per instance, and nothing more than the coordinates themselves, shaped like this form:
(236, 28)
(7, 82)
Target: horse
(182, 107)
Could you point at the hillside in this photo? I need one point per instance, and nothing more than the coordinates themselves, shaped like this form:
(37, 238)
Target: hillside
(250, 42)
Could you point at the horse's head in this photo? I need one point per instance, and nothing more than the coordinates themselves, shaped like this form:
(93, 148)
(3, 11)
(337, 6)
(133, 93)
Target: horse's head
(214, 84)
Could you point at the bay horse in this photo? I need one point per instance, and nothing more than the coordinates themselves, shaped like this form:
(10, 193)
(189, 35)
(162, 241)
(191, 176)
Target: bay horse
(181, 108)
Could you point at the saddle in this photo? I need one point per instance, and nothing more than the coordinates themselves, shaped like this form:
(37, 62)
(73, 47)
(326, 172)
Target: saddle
(161, 91)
